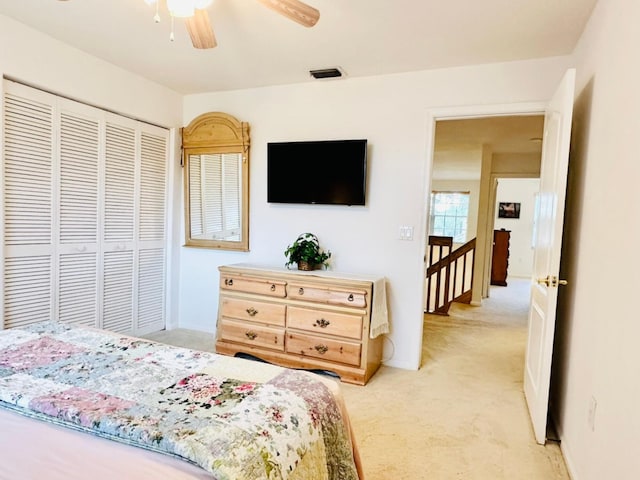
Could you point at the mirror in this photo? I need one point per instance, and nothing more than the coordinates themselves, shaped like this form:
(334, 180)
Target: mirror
(216, 182)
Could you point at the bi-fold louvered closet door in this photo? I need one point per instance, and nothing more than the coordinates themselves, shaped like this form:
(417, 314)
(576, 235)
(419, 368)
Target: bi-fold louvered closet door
(84, 194)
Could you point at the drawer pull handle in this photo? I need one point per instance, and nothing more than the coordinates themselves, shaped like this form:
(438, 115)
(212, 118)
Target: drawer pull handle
(251, 335)
(252, 312)
(228, 282)
(273, 288)
(322, 323)
(321, 349)
(350, 297)
(301, 291)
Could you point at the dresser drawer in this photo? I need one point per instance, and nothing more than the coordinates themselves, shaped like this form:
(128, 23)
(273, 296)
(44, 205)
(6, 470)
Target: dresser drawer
(330, 323)
(249, 334)
(329, 295)
(324, 348)
(255, 311)
(259, 285)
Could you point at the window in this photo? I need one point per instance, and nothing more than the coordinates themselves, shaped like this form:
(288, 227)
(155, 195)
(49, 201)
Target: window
(449, 215)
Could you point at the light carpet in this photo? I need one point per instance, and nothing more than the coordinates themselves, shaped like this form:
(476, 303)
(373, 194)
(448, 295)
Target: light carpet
(462, 415)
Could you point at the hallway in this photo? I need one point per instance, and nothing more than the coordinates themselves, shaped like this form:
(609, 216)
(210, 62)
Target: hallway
(463, 414)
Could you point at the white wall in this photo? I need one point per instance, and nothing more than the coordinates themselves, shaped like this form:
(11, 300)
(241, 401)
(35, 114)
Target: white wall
(521, 190)
(391, 112)
(597, 354)
(38, 60)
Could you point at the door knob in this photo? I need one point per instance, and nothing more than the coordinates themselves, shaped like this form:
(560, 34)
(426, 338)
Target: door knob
(551, 281)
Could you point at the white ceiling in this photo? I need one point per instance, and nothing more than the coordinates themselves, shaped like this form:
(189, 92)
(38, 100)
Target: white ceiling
(504, 134)
(258, 47)
(458, 143)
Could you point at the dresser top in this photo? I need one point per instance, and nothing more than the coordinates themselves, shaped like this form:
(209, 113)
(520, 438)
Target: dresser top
(313, 273)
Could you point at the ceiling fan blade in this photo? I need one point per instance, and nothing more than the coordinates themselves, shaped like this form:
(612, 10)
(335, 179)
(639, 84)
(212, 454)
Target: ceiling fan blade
(295, 10)
(200, 30)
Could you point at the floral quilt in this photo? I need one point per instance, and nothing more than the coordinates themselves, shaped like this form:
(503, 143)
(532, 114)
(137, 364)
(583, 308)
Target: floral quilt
(235, 418)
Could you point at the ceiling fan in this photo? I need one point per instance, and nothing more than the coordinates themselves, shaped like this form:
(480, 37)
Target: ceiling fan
(199, 25)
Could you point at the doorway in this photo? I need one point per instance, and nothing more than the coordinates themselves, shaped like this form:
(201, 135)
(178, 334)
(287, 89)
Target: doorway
(471, 156)
(548, 232)
(486, 157)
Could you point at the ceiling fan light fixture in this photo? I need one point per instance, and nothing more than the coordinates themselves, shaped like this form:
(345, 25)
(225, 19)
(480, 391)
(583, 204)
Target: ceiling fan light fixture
(197, 19)
(201, 4)
(181, 8)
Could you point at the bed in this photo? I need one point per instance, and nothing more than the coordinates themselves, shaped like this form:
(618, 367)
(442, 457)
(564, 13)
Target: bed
(85, 403)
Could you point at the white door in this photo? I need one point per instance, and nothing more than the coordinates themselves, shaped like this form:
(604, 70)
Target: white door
(548, 239)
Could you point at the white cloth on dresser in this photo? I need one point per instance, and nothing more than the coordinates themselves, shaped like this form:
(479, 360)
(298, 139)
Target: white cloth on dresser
(379, 312)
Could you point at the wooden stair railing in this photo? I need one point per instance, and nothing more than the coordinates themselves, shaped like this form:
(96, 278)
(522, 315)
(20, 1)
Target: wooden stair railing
(450, 274)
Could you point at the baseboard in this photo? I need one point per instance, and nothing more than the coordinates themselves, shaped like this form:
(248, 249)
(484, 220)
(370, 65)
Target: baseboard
(475, 303)
(566, 452)
(402, 365)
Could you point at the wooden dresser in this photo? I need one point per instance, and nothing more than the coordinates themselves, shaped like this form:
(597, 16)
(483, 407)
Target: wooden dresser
(500, 257)
(305, 320)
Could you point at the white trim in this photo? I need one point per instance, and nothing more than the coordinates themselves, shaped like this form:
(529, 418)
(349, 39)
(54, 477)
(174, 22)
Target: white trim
(173, 212)
(2, 254)
(453, 113)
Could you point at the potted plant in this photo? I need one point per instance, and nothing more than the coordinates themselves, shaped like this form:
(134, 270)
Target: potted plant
(306, 253)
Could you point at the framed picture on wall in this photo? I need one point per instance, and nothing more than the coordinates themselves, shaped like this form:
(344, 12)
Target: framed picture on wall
(508, 210)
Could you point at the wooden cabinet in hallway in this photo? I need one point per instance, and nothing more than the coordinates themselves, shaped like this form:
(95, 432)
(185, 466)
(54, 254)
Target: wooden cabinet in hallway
(500, 257)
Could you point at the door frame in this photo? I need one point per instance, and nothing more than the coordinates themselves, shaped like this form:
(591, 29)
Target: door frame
(459, 113)
(491, 219)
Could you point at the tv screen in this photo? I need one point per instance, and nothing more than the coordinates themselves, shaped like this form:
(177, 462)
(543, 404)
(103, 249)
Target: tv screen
(329, 172)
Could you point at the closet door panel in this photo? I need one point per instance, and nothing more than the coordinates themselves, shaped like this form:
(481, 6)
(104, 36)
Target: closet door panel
(120, 180)
(150, 290)
(118, 245)
(78, 219)
(79, 158)
(28, 207)
(153, 185)
(28, 296)
(117, 310)
(77, 289)
(150, 304)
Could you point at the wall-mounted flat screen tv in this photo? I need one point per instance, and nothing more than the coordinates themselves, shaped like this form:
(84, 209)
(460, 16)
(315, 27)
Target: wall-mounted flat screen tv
(328, 172)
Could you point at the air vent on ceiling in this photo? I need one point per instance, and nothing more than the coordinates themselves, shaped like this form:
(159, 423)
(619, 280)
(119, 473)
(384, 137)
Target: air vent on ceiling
(326, 73)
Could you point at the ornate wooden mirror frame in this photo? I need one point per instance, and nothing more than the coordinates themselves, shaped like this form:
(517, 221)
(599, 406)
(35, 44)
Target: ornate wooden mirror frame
(216, 182)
